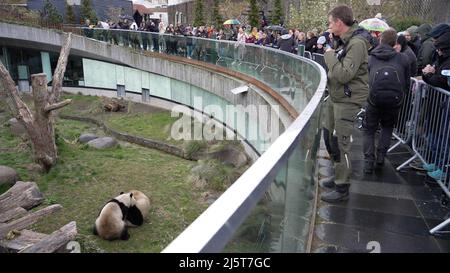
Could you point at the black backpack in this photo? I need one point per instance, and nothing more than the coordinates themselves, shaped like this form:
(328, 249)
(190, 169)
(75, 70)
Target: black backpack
(386, 88)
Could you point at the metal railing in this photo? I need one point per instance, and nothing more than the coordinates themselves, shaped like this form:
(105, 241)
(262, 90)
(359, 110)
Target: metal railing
(404, 129)
(424, 125)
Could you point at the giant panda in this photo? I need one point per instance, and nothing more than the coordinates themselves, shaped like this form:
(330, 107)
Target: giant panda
(139, 212)
(110, 224)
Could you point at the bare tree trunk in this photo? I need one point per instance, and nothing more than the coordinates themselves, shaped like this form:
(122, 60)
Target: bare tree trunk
(40, 125)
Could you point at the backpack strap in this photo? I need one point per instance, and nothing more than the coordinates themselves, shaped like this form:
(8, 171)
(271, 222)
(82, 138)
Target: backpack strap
(360, 33)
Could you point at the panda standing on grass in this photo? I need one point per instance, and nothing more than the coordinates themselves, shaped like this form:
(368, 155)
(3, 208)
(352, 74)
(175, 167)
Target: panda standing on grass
(126, 210)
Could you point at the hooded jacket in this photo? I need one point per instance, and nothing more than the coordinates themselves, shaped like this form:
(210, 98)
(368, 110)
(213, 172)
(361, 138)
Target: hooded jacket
(351, 71)
(427, 49)
(443, 63)
(286, 43)
(385, 55)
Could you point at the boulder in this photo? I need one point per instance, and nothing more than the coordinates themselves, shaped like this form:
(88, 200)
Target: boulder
(103, 143)
(17, 128)
(85, 138)
(8, 175)
(231, 156)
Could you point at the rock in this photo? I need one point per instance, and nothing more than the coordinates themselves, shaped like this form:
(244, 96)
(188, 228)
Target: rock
(33, 167)
(8, 175)
(231, 156)
(85, 138)
(103, 143)
(17, 128)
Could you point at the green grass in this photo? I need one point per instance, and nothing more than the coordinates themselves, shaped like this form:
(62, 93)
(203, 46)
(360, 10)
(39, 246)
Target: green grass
(84, 179)
(154, 126)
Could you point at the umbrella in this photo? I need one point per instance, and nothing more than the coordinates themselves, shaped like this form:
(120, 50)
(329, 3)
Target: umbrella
(275, 28)
(374, 24)
(232, 22)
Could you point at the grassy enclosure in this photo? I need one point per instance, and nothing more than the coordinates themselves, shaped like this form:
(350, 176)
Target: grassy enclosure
(84, 179)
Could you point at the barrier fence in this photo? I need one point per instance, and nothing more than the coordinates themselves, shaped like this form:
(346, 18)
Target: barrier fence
(424, 125)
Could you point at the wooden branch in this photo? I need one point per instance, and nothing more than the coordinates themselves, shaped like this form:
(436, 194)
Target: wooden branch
(12, 214)
(22, 194)
(58, 75)
(28, 220)
(54, 241)
(57, 105)
(26, 239)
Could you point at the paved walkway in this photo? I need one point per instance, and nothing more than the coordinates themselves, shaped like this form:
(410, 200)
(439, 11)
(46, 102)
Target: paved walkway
(388, 211)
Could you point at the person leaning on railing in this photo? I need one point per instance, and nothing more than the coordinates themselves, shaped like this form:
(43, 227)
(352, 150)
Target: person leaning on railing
(348, 88)
(432, 73)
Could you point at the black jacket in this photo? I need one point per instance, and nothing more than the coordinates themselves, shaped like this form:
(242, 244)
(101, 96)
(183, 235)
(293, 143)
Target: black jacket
(310, 44)
(411, 59)
(286, 43)
(385, 55)
(436, 79)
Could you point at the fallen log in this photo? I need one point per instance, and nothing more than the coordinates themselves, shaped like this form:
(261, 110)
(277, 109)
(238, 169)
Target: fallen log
(12, 214)
(27, 220)
(22, 194)
(54, 241)
(25, 239)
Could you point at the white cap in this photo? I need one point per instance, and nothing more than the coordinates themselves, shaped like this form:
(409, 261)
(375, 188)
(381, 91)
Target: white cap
(321, 40)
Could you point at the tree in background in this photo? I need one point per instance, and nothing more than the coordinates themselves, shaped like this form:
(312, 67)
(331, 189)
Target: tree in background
(278, 13)
(199, 19)
(87, 12)
(233, 10)
(51, 14)
(254, 14)
(70, 15)
(216, 19)
(312, 14)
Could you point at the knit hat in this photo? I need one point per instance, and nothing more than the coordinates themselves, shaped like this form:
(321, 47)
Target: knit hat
(443, 42)
(412, 31)
(321, 40)
(438, 30)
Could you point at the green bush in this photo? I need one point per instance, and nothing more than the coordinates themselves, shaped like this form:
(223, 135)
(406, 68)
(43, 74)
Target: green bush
(402, 23)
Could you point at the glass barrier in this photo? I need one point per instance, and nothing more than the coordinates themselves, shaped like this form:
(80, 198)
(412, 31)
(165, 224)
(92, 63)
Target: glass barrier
(283, 73)
(269, 208)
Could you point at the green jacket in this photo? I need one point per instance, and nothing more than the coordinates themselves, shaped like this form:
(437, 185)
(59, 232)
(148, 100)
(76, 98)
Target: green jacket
(352, 70)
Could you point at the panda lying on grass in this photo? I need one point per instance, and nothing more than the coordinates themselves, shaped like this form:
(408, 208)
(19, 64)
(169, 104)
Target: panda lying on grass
(126, 210)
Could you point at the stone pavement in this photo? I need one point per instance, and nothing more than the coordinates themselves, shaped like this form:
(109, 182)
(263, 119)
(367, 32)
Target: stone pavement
(388, 211)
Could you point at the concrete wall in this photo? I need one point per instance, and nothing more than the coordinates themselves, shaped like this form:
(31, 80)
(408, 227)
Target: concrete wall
(218, 84)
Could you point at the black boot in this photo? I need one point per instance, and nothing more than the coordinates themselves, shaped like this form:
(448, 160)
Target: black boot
(380, 159)
(368, 166)
(338, 195)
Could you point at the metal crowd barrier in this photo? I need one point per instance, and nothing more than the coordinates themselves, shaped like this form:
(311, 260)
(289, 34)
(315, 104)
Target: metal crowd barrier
(404, 129)
(424, 122)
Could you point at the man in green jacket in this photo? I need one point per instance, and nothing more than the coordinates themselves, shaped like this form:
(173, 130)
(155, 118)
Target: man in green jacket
(348, 87)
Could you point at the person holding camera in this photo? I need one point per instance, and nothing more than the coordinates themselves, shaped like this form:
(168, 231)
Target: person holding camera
(348, 87)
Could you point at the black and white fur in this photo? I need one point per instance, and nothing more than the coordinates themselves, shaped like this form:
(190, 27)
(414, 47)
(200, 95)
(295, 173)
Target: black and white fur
(110, 224)
(138, 213)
